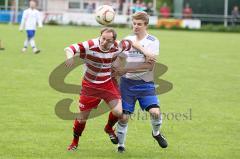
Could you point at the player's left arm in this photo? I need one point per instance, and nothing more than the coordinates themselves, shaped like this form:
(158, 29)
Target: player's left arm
(150, 53)
(126, 45)
(39, 20)
(119, 71)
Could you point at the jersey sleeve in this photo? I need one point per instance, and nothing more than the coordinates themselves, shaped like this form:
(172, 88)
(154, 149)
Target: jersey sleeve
(79, 48)
(154, 47)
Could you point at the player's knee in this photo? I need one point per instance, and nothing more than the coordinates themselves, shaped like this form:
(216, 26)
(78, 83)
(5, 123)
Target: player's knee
(155, 113)
(117, 113)
(124, 119)
(116, 108)
(83, 116)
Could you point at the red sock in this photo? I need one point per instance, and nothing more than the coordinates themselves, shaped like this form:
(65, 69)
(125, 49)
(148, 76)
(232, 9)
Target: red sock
(112, 120)
(77, 130)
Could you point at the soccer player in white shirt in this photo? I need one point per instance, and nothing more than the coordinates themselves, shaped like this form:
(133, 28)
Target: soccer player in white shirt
(1, 48)
(137, 80)
(31, 17)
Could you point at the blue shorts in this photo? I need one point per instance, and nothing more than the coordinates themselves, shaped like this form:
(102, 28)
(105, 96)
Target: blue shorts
(133, 90)
(30, 34)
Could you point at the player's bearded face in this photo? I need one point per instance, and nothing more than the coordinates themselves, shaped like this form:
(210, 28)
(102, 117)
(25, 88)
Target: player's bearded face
(106, 41)
(138, 26)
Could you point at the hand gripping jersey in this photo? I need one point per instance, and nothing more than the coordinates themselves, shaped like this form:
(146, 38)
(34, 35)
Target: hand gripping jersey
(135, 57)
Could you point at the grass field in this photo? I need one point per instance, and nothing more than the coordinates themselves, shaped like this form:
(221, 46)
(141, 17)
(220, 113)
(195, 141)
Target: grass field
(204, 70)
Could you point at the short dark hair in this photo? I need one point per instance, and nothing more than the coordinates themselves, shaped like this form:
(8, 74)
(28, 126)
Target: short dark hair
(110, 30)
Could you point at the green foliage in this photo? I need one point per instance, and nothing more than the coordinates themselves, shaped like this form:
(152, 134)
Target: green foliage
(52, 22)
(72, 23)
(2, 3)
(220, 28)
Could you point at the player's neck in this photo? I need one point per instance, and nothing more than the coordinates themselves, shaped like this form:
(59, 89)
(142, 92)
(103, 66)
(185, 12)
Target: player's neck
(141, 36)
(104, 50)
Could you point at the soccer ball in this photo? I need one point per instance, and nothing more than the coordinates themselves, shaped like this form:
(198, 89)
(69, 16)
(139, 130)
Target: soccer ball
(104, 14)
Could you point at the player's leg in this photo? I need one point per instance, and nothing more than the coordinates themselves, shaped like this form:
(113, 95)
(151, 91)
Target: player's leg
(122, 127)
(151, 104)
(156, 122)
(26, 42)
(116, 107)
(114, 115)
(112, 120)
(128, 104)
(86, 104)
(79, 125)
(25, 45)
(111, 95)
(32, 42)
(1, 46)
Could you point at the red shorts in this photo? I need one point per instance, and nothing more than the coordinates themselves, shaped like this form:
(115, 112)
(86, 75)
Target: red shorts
(91, 94)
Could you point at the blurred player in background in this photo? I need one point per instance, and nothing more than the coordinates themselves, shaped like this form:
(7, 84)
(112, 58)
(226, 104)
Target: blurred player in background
(31, 17)
(1, 47)
(137, 80)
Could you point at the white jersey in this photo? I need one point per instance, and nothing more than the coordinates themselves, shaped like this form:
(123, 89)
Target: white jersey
(135, 57)
(30, 19)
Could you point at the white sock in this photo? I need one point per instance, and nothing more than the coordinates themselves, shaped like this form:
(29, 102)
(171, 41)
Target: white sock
(156, 124)
(26, 42)
(32, 42)
(121, 133)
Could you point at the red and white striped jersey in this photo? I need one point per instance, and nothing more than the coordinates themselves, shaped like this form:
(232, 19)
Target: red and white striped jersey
(98, 63)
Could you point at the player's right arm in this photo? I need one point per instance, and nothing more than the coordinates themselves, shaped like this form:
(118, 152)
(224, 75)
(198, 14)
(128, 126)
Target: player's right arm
(23, 20)
(74, 50)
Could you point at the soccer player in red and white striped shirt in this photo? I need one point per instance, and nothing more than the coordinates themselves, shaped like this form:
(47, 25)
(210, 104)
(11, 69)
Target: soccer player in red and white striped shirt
(98, 55)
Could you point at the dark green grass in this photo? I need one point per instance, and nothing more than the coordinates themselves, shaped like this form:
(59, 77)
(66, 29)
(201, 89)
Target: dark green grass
(204, 70)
